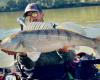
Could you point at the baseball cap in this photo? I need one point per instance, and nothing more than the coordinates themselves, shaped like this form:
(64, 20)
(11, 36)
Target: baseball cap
(32, 7)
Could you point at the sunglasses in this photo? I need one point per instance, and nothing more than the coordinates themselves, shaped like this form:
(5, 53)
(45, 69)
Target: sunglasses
(33, 14)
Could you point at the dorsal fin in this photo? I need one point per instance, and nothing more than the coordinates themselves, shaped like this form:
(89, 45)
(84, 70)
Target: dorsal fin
(72, 27)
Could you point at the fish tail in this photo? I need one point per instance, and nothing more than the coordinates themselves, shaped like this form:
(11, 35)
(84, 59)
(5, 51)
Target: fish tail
(97, 46)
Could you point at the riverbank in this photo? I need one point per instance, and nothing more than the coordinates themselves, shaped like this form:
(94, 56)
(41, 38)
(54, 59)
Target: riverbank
(71, 5)
(57, 6)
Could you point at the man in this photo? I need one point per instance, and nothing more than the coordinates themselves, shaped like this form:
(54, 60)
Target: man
(33, 13)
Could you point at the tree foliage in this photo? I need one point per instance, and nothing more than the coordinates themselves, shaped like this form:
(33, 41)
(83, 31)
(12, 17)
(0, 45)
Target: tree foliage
(16, 5)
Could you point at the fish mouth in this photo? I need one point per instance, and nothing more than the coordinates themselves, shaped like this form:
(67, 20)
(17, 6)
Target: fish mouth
(0, 40)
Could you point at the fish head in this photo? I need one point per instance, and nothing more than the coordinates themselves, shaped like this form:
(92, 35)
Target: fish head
(9, 43)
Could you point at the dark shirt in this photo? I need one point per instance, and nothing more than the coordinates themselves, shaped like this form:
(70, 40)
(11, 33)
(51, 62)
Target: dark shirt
(49, 59)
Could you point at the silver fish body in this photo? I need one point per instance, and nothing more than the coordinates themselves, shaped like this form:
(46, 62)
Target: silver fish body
(45, 40)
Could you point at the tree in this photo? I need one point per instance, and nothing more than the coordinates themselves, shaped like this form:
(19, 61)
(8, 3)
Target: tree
(21, 4)
(11, 5)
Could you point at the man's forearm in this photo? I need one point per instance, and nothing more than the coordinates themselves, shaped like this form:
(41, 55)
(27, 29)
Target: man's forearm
(9, 52)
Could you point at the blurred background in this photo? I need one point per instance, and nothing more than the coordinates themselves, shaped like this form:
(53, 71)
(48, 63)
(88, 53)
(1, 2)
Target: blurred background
(78, 11)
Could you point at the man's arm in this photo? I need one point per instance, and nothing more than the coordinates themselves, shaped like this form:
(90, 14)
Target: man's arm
(14, 53)
(9, 52)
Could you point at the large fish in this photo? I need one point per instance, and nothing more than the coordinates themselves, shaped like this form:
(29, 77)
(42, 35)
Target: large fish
(46, 41)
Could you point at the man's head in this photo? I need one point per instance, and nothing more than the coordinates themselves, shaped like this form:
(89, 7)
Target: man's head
(34, 12)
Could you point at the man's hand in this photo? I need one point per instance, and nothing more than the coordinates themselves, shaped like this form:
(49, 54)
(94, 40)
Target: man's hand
(65, 49)
(9, 52)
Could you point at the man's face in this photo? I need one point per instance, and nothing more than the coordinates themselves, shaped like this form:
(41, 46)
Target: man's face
(35, 16)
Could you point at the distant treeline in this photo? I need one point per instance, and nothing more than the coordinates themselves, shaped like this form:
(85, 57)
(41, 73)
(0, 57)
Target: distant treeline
(19, 5)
